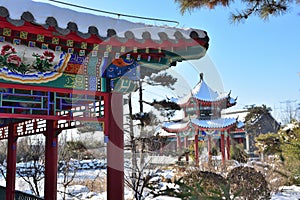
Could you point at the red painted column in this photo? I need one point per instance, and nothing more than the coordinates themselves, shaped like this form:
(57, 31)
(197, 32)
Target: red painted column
(186, 145)
(11, 162)
(241, 141)
(115, 147)
(178, 143)
(51, 161)
(178, 146)
(228, 146)
(223, 147)
(209, 147)
(161, 149)
(196, 149)
(198, 109)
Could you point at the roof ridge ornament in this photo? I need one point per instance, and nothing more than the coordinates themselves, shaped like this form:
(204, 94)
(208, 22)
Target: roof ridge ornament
(51, 21)
(27, 16)
(201, 76)
(146, 35)
(229, 93)
(72, 27)
(111, 33)
(93, 30)
(4, 12)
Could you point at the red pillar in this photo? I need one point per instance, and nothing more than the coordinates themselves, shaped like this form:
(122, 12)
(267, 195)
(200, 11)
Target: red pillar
(209, 147)
(223, 147)
(178, 146)
(178, 143)
(161, 149)
(198, 109)
(186, 145)
(51, 161)
(196, 150)
(11, 162)
(115, 147)
(228, 146)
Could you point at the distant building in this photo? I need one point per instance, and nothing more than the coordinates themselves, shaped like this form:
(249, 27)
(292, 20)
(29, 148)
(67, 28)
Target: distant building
(262, 124)
(265, 123)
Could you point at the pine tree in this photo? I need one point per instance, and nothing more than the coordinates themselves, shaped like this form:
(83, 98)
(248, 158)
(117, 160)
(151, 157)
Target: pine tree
(261, 8)
(286, 145)
(291, 151)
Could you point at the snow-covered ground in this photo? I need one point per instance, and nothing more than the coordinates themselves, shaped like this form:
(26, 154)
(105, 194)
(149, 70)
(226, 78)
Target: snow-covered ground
(82, 192)
(287, 193)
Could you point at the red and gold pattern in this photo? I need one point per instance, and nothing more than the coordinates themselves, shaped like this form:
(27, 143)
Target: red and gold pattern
(74, 68)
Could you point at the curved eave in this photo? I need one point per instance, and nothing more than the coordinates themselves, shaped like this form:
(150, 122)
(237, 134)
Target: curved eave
(227, 128)
(170, 130)
(210, 102)
(238, 130)
(230, 105)
(123, 33)
(223, 101)
(175, 127)
(231, 101)
(203, 125)
(93, 38)
(219, 124)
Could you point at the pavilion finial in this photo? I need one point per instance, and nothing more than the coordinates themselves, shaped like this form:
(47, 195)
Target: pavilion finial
(229, 93)
(201, 76)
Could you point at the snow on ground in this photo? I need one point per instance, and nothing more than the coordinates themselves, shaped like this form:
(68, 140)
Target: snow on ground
(288, 193)
(82, 192)
(164, 198)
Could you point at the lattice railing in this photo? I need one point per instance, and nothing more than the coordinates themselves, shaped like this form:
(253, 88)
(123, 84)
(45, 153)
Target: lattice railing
(38, 126)
(50, 103)
(29, 108)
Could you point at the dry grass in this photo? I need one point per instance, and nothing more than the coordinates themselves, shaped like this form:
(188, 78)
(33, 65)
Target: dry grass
(97, 185)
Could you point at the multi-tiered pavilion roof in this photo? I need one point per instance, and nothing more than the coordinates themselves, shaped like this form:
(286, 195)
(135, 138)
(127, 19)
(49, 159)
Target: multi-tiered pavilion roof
(202, 119)
(202, 110)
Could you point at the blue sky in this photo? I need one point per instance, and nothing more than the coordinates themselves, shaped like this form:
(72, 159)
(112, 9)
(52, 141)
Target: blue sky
(257, 60)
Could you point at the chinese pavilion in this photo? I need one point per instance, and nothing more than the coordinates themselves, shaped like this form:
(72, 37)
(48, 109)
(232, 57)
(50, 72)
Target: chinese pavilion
(202, 119)
(60, 68)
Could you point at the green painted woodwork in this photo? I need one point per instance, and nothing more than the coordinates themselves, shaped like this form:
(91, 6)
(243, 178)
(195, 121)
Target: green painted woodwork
(47, 68)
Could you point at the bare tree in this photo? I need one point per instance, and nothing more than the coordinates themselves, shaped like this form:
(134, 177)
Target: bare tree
(32, 170)
(290, 110)
(3, 150)
(66, 168)
(139, 180)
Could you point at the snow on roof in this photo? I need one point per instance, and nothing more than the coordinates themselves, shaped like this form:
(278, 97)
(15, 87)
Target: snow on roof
(233, 113)
(163, 133)
(290, 126)
(240, 124)
(41, 11)
(210, 123)
(182, 100)
(203, 92)
(232, 100)
(175, 125)
(214, 123)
